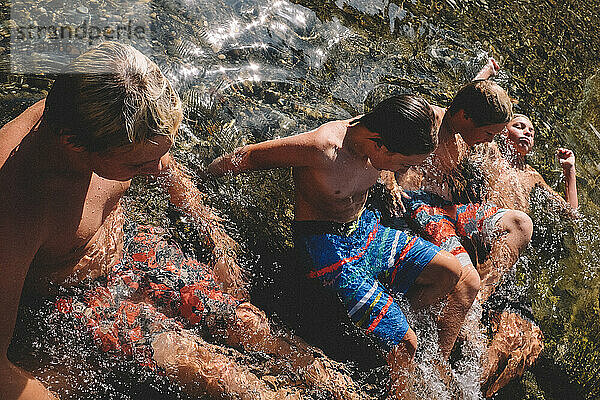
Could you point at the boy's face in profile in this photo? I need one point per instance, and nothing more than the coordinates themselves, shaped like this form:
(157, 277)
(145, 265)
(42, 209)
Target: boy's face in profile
(473, 135)
(123, 163)
(383, 159)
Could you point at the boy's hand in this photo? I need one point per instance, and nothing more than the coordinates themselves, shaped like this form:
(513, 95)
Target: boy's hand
(566, 158)
(398, 194)
(490, 69)
(166, 164)
(394, 193)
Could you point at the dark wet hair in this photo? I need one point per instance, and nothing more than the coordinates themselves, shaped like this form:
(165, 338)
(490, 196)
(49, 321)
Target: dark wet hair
(405, 124)
(485, 102)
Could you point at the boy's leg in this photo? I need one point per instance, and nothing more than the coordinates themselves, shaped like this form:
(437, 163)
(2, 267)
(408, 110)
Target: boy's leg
(516, 344)
(349, 265)
(251, 330)
(514, 230)
(372, 308)
(137, 330)
(401, 362)
(508, 232)
(151, 274)
(244, 325)
(185, 288)
(441, 274)
(449, 274)
(445, 278)
(202, 368)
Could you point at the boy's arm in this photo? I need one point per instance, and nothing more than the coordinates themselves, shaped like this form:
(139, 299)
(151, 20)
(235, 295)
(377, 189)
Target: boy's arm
(396, 192)
(490, 69)
(566, 158)
(569, 205)
(17, 384)
(185, 195)
(20, 238)
(304, 150)
(563, 206)
(14, 131)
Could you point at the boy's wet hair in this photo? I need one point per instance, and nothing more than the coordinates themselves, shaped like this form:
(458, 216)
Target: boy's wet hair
(485, 102)
(112, 96)
(405, 124)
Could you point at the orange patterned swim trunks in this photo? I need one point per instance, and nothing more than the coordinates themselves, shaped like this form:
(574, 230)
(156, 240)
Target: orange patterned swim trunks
(152, 289)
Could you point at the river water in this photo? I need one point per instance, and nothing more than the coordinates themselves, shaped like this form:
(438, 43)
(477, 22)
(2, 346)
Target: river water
(254, 70)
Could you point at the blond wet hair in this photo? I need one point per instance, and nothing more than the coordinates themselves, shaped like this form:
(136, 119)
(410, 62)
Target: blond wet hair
(112, 96)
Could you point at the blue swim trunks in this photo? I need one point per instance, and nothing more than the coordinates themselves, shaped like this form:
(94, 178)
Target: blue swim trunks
(353, 259)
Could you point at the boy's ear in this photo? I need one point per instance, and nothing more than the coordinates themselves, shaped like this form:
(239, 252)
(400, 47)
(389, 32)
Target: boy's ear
(463, 114)
(66, 139)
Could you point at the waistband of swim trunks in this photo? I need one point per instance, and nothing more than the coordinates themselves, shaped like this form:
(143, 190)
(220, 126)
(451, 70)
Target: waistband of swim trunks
(314, 227)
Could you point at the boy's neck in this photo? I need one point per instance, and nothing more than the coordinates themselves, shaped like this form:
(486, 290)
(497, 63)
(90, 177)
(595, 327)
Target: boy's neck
(355, 139)
(447, 131)
(447, 152)
(513, 157)
(53, 156)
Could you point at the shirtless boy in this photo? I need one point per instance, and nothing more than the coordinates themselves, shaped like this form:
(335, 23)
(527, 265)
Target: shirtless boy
(441, 202)
(64, 165)
(333, 167)
(517, 341)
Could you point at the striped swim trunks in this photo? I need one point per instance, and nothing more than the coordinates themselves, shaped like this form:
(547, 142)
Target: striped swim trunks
(366, 263)
(447, 224)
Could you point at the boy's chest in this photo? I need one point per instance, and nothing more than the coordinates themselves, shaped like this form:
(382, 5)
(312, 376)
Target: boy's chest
(345, 181)
(79, 221)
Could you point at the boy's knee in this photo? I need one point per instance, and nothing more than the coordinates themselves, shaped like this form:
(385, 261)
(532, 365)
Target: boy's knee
(519, 226)
(174, 350)
(451, 270)
(471, 280)
(409, 343)
(252, 319)
(251, 326)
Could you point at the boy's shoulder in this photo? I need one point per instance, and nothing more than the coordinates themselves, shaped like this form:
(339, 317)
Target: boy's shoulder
(15, 130)
(330, 135)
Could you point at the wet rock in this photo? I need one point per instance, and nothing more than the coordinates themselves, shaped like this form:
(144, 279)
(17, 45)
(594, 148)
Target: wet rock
(82, 9)
(10, 24)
